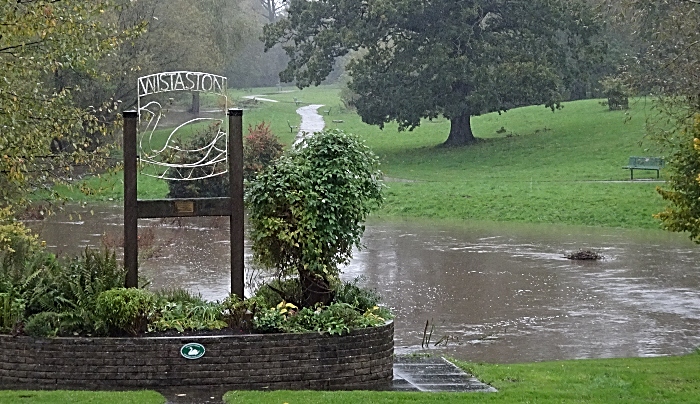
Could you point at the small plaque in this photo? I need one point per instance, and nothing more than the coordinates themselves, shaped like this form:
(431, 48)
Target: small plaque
(192, 350)
(184, 207)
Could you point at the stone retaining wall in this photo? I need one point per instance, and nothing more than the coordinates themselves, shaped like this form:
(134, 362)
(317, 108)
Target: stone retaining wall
(362, 359)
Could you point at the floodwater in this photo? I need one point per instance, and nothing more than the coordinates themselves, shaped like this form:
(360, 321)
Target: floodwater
(489, 292)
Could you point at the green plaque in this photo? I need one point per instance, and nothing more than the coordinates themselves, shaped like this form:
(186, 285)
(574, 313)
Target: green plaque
(192, 350)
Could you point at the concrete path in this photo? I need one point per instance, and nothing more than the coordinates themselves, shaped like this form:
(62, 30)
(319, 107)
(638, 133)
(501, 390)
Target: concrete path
(434, 374)
(259, 98)
(311, 121)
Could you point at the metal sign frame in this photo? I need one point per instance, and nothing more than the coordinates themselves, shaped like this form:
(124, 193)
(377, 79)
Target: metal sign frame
(210, 158)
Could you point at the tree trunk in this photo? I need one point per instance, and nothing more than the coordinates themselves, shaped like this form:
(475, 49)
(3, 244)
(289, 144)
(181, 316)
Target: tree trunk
(314, 289)
(195, 103)
(460, 131)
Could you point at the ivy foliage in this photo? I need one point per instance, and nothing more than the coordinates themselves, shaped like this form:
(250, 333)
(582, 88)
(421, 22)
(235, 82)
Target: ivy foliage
(39, 39)
(306, 211)
(416, 59)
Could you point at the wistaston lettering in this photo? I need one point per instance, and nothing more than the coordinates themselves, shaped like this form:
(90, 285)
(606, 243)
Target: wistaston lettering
(181, 81)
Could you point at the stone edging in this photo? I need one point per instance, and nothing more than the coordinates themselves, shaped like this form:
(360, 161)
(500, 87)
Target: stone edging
(361, 359)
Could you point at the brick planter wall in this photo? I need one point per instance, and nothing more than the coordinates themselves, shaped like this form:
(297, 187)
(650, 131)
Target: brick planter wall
(362, 359)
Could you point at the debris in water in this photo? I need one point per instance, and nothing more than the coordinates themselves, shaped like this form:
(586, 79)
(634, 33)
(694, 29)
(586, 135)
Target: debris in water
(584, 255)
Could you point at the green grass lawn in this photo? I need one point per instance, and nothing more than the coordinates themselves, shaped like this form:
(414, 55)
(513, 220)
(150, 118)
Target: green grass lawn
(634, 380)
(673, 379)
(80, 397)
(529, 165)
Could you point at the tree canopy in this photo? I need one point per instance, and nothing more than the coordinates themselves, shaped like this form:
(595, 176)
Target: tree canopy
(416, 59)
(669, 69)
(37, 40)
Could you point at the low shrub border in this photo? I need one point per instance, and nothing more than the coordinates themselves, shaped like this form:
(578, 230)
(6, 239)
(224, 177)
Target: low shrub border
(360, 359)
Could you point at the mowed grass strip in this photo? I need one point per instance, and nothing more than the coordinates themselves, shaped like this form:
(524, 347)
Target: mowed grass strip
(634, 380)
(80, 397)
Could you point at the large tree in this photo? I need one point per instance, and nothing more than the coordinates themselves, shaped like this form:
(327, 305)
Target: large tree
(38, 39)
(420, 59)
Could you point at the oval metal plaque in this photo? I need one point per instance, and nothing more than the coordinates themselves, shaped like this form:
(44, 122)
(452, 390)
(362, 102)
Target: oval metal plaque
(192, 350)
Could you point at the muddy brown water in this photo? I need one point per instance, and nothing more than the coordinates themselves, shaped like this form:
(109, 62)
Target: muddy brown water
(489, 292)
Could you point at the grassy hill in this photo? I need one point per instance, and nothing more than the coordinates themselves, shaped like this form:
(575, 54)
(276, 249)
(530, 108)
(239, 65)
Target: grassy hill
(530, 164)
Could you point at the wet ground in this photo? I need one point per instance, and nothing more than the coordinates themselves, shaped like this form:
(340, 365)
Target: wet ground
(311, 121)
(434, 374)
(488, 292)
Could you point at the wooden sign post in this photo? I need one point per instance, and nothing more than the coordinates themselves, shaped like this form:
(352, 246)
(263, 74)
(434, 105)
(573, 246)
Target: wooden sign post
(231, 205)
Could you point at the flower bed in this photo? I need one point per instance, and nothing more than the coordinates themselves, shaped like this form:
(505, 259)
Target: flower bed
(360, 359)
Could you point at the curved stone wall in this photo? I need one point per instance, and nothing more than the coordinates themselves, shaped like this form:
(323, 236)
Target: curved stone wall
(361, 359)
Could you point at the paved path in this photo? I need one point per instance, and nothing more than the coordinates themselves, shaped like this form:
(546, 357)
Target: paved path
(259, 98)
(311, 121)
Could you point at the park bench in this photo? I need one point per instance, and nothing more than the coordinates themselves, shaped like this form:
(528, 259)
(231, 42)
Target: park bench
(645, 163)
(297, 101)
(291, 127)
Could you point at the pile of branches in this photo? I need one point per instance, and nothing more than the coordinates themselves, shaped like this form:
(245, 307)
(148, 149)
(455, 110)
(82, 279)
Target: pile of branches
(584, 255)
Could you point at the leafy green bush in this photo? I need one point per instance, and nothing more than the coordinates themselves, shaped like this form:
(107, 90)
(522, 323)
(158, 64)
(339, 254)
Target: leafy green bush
(44, 324)
(71, 288)
(187, 317)
(11, 311)
(360, 298)
(235, 312)
(33, 281)
(124, 310)
(335, 319)
(271, 293)
(273, 319)
(202, 188)
(306, 210)
(260, 148)
(682, 190)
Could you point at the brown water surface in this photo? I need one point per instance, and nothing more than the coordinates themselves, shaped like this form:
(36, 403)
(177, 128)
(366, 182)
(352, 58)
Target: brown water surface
(495, 292)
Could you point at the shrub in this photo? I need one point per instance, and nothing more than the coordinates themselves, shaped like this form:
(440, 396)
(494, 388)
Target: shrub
(181, 316)
(335, 319)
(11, 311)
(235, 311)
(260, 148)
(273, 319)
(616, 92)
(17, 246)
(124, 310)
(201, 188)
(44, 324)
(360, 298)
(306, 210)
(269, 294)
(682, 190)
